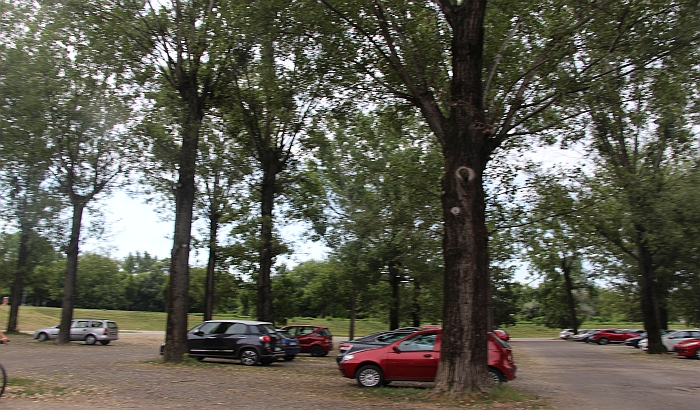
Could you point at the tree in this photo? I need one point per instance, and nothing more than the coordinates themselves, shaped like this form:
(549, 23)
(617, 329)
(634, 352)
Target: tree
(431, 55)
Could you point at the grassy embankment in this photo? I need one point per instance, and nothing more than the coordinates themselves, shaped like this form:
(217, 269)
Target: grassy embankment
(32, 318)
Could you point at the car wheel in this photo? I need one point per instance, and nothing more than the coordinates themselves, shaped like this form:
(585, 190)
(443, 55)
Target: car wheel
(104, 342)
(90, 340)
(289, 358)
(697, 353)
(317, 351)
(249, 357)
(42, 337)
(370, 376)
(603, 341)
(495, 376)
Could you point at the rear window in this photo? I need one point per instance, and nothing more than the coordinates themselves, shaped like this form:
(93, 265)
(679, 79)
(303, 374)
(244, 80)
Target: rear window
(325, 332)
(267, 328)
(500, 341)
(111, 325)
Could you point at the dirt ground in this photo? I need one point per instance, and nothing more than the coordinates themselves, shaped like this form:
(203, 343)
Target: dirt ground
(128, 374)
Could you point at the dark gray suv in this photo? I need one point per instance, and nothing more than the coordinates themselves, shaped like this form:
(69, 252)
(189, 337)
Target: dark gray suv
(249, 341)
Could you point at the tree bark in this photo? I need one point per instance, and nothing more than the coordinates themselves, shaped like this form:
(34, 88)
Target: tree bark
(211, 266)
(463, 358)
(394, 282)
(650, 306)
(20, 273)
(70, 282)
(267, 203)
(178, 289)
(566, 264)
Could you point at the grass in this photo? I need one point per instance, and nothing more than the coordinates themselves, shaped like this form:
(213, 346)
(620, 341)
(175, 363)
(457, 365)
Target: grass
(21, 387)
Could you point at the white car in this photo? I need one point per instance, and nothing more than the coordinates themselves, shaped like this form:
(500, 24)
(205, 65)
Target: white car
(566, 333)
(669, 340)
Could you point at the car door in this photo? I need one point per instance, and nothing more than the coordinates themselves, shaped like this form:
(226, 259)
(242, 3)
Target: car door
(79, 329)
(415, 358)
(232, 339)
(199, 336)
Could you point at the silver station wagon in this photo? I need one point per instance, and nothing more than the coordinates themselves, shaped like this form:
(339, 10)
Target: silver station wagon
(89, 330)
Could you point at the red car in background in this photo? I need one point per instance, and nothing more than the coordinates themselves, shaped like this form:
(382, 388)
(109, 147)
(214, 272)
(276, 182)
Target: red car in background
(605, 336)
(502, 334)
(416, 358)
(315, 340)
(688, 348)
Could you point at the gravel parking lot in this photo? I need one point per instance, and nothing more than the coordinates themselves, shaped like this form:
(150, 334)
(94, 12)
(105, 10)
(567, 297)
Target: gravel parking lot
(128, 374)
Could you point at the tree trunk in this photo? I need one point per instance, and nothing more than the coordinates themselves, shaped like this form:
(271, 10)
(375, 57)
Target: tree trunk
(648, 299)
(353, 310)
(463, 359)
(415, 306)
(394, 282)
(178, 288)
(267, 203)
(566, 265)
(18, 285)
(70, 282)
(211, 266)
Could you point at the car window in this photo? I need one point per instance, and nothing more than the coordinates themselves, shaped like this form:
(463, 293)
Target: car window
(237, 329)
(292, 331)
(111, 325)
(96, 324)
(694, 334)
(305, 331)
(266, 329)
(207, 328)
(82, 323)
(419, 343)
(285, 334)
(678, 335)
(325, 332)
(392, 337)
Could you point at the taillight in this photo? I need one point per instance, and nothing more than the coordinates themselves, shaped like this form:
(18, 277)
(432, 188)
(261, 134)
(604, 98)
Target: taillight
(510, 357)
(106, 332)
(265, 339)
(344, 346)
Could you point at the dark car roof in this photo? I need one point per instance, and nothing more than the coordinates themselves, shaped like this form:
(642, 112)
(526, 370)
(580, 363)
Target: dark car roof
(245, 322)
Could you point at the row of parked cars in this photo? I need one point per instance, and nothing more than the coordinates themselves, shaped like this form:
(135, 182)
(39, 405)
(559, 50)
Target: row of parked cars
(405, 354)
(684, 343)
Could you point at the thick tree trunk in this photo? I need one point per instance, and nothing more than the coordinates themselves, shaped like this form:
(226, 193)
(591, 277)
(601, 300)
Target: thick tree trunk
(267, 203)
(566, 265)
(20, 273)
(394, 282)
(463, 359)
(178, 288)
(211, 266)
(70, 282)
(650, 306)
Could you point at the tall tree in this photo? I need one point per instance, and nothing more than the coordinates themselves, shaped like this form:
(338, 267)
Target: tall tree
(431, 55)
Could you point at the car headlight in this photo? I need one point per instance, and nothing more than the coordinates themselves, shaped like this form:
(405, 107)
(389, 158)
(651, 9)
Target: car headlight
(348, 357)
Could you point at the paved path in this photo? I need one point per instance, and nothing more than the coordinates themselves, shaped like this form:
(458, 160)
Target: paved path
(612, 377)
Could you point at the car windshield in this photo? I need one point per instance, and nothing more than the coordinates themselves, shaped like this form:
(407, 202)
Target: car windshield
(391, 337)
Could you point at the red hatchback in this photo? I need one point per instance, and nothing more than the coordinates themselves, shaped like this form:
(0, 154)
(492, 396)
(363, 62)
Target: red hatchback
(416, 358)
(605, 336)
(315, 340)
(688, 348)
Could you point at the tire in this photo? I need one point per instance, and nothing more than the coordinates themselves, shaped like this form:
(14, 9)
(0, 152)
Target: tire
(697, 353)
(42, 337)
(370, 376)
(249, 357)
(3, 380)
(603, 341)
(104, 342)
(289, 357)
(317, 351)
(90, 340)
(495, 376)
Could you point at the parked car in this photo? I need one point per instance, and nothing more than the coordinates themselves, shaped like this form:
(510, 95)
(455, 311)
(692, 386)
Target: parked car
(634, 341)
(673, 338)
(378, 339)
(290, 345)
(644, 343)
(315, 340)
(249, 341)
(89, 330)
(415, 358)
(566, 333)
(502, 334)
(605, 336)
(583, 335)
(688, 348)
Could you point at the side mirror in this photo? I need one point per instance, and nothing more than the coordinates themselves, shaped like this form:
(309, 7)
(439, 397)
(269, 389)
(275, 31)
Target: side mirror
(396, 349)
(199, 333)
